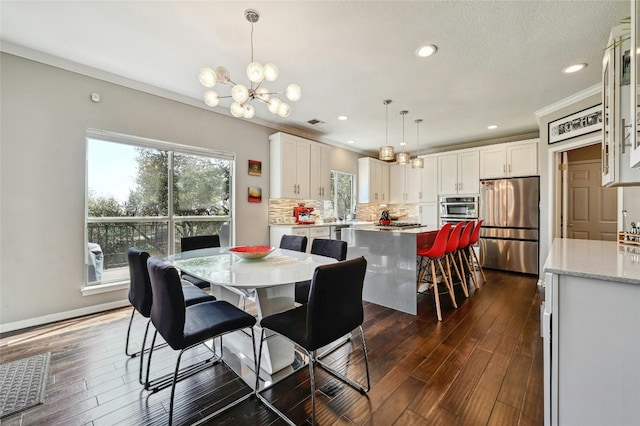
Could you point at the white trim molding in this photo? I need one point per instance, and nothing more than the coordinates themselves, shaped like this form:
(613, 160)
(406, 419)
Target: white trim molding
(59, 316)
(566, 102)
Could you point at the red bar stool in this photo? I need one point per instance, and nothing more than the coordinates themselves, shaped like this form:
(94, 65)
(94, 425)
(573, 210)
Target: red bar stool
(453, 244)
(465, 238)
(430, 255)
(473, 257)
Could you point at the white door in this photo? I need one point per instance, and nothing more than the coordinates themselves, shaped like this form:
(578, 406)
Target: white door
(592, 207)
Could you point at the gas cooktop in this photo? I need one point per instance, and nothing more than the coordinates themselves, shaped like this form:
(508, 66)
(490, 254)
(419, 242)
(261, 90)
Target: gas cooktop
(400, 225)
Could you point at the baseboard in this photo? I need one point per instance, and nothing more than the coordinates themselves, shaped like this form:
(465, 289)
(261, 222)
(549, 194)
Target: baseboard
(32, 322)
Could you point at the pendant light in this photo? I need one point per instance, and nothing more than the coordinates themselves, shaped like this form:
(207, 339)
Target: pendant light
(386, 152)
(403, 158)
(418, 162)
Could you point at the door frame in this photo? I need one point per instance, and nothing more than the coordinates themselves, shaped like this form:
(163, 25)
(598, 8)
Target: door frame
(556, 197)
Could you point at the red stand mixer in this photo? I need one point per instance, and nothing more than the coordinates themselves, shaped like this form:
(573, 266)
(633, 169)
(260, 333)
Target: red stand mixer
(303, 214)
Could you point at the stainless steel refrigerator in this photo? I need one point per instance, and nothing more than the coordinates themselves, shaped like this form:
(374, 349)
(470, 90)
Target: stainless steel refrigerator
(510, 231)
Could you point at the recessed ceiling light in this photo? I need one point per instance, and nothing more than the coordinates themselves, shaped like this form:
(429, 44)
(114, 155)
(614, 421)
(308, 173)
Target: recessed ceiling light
(574, 68)
(492, 126)
(350, 142)
(343, 117)
(425, 51)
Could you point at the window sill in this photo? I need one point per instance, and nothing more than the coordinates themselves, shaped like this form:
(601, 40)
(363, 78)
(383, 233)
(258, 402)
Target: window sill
(104, 288)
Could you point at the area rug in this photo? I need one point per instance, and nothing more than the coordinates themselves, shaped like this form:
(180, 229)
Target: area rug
(22, 383)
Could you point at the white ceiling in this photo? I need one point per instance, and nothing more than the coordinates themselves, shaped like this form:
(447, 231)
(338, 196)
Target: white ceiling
(497, 62)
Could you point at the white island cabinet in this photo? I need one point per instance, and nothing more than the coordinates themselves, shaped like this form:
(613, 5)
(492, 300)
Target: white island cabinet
(391, 263)
(591, 334)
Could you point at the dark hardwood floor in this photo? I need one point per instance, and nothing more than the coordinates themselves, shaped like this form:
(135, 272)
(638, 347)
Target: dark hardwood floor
(482, 365)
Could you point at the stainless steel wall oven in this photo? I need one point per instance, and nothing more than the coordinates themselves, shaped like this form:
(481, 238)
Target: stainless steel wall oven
(458, 209)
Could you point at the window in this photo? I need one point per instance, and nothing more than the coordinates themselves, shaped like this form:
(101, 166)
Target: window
(150, 194)
(343, 194)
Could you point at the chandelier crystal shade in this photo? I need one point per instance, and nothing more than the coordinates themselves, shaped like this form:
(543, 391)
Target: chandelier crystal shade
(403, 158)
(386, 152)
(242, 94)
(418, 162)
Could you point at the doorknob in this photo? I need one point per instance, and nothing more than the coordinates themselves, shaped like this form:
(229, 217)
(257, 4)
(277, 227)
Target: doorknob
(570, 225)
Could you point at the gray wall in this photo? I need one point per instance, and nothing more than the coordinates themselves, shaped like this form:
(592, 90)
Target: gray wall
(45, 114)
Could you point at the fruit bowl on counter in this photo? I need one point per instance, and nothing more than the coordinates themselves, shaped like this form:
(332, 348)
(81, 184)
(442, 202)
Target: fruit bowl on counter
(252, 252)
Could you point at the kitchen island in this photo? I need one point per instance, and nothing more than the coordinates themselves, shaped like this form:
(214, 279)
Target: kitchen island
(591, 333)
(391, 263)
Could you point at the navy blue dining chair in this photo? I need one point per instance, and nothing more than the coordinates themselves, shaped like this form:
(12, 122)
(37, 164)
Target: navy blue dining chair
(334, 310)
(185, 327)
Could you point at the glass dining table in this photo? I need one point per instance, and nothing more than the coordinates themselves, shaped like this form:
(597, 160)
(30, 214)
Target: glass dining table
(269, 282)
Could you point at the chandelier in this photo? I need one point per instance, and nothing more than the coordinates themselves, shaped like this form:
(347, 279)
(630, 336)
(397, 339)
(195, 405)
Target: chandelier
(418, 162)
(403, 158)
(386, 152)
(243, 95)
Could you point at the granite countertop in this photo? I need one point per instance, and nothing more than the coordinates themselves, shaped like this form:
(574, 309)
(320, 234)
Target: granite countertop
(315, 225)
(418, 230)
(605, 260)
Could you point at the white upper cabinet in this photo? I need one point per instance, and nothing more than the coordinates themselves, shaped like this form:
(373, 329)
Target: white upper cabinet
(373, 181)
(459, 172)
(413, 184)
(320, 172)
(404, 184)
(634, 104)
(509, 160)
(289, 168)
(617, 135)
(397, 179)
(429, 179)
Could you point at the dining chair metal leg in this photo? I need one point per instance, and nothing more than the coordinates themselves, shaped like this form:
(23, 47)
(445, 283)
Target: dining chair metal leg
(266, 402)
(165, 381)
(344, 378)
(206, 420)
(126, 348)
(313, 388)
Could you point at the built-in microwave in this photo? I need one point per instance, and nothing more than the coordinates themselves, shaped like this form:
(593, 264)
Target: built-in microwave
(458, 209)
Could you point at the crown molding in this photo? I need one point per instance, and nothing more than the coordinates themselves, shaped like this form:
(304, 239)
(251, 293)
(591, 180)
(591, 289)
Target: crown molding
(568, 101)
(78, 68)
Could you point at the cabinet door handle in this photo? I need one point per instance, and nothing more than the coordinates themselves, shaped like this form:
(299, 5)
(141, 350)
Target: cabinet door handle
(509, 168)
(504, 168)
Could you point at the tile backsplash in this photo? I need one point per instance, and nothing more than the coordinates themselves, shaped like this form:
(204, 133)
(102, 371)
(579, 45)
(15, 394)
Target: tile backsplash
(281, 210)
(404, 212)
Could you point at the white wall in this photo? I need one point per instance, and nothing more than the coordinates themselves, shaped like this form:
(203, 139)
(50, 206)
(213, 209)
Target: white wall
(631, 203)
(45, 114)
(629, 194)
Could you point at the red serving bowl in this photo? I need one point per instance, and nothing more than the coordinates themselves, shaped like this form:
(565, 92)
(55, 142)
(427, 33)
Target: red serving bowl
(252, 252)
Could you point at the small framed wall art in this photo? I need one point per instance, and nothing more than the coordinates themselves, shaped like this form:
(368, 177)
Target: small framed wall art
(255, 168)
(255, 194)
(582, 122)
